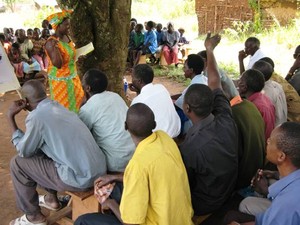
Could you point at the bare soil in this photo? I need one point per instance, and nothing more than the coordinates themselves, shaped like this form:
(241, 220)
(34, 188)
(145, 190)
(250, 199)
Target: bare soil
(9, 211)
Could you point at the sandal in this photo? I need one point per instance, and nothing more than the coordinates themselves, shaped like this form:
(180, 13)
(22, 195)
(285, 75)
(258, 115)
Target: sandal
(42, 203)
(24, 221)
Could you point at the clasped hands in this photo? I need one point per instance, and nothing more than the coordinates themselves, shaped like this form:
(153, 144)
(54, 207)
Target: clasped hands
(260, 182)
(103, 187)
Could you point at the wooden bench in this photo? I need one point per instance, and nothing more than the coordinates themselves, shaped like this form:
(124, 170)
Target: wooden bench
(79, 204)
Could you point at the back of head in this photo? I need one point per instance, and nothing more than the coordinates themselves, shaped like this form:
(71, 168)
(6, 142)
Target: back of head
(159, 26)
(133, 19)
(34, 91)
(181, 30)
(150, 24)
(288, 141)
(199, 98)
(140, 120)
(195, 62)
(96, 79)
(15, 45)
(268, 60)
(203, 54)
(265, 68)
(139, 27)
(254, 80)
(253, 40)
(143, 72)
(5, 30)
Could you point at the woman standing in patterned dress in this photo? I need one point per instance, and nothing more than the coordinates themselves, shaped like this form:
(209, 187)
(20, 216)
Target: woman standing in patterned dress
(64, 82)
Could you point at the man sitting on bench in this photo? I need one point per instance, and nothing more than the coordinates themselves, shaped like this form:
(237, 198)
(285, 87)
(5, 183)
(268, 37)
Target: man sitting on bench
(156, 189)
(57, 152)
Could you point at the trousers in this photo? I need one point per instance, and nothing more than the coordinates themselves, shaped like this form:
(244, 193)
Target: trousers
(28, 173)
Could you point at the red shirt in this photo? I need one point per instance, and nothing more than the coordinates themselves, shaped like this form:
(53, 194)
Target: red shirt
(266, 109)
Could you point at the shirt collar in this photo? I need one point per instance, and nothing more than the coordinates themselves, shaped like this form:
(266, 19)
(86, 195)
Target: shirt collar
(198, 75)
(147, 86)
(200, 125)
(278, 186)
(43, 102)
(236, 100)
(254, 96)
(146, 142)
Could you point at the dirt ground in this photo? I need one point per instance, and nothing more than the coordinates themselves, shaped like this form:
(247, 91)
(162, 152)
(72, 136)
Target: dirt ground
(9, 210)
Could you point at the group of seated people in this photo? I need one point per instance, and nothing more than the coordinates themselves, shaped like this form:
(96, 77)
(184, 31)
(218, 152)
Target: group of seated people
(155, 40)
(141, 172)
(25, 50)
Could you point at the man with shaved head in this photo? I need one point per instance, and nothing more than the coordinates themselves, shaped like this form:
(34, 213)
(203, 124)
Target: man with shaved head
(56, 152)
(155, 180)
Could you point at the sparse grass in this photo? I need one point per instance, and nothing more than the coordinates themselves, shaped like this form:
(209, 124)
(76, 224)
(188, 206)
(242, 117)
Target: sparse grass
(230, 69)
(172, 73)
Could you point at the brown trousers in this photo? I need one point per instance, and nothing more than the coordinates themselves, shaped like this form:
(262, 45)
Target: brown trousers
(27, 173)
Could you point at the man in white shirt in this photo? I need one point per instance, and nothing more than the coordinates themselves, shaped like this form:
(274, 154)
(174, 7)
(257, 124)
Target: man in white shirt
(252, 45)
(157, 98)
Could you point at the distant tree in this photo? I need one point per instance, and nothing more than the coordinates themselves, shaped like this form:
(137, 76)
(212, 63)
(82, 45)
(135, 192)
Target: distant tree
(106, 24)
(10, 4)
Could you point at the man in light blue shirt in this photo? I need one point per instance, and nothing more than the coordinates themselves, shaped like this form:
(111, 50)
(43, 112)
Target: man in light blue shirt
(56, 152)
(283, 149)
(104, 113)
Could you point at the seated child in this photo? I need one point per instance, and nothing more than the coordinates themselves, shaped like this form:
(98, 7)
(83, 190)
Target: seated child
(138, 42)
(182, 43)
(21, 65)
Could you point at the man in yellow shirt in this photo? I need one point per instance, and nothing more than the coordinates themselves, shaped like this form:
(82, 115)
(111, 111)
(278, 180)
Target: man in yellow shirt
(156, 189)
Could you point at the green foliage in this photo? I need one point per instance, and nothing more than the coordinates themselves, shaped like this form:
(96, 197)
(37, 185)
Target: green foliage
(288, 35)
(240, 30)
(39, 16)
(255, 6)
(230, 69)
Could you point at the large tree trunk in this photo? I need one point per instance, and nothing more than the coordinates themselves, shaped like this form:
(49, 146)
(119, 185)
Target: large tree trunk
(106, 24)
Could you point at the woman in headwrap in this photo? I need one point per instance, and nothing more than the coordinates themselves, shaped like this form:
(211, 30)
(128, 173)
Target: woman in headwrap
(64, 82)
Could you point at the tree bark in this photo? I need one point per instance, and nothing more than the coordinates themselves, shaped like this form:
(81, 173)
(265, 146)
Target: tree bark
(106, 24)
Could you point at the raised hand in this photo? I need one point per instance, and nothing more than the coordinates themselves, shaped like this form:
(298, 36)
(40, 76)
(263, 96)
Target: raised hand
(212, 41)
